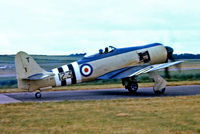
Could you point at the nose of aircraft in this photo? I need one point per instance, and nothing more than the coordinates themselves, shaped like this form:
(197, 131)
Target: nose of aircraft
(170, 53)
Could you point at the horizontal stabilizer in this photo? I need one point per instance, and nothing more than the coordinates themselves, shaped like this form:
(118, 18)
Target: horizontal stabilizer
(39, 76)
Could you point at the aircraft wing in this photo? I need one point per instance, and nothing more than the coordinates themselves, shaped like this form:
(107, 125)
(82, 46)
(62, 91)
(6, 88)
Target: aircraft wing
(136, 70)
(39, 76)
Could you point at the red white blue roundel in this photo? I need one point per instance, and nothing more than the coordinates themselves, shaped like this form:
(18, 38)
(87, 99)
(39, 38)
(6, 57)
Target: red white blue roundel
(86, 70)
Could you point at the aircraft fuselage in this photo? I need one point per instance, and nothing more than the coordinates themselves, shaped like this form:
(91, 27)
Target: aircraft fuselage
(92, 67)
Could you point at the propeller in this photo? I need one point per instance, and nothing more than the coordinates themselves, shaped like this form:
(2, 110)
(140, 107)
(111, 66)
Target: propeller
(171, 58)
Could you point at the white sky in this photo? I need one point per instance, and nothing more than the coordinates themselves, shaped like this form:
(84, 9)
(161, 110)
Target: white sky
(77, 26)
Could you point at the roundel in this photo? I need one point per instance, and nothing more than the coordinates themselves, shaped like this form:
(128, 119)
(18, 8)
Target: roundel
(86, 70)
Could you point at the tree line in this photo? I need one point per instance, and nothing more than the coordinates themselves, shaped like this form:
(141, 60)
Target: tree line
(186, 56)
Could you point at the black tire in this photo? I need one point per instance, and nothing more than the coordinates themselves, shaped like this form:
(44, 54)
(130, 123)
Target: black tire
(132, 88)
(38, 95)
(160, 92)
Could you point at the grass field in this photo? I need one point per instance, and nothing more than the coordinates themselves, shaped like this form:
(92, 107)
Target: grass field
(174, 115)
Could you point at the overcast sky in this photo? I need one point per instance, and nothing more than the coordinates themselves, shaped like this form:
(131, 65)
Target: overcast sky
(77, 26)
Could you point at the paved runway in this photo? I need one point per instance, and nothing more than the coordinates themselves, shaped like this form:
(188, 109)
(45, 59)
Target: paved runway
(98, 94)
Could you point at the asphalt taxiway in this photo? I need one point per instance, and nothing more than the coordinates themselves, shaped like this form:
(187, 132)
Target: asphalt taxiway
(98, 94)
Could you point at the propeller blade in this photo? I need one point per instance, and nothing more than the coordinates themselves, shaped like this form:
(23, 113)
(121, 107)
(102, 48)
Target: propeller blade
(171, 58)
(170, 53)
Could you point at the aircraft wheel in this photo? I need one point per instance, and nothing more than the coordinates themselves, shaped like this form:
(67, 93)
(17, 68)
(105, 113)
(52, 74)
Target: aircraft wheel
(38, 95)
(160, 92)
(132, 87)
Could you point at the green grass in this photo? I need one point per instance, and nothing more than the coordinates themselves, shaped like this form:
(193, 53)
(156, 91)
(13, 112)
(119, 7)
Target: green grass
(140, 116)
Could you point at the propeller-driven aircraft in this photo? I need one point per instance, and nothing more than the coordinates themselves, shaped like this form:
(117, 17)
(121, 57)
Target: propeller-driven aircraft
(112, 63)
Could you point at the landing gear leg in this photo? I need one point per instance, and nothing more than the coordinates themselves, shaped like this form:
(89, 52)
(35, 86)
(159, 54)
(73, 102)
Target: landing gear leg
(130, 84)
(160, 83)
(38, 94)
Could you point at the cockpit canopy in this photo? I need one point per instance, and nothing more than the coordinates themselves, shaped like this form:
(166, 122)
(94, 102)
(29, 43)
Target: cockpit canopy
(102, 53)
(107, 50)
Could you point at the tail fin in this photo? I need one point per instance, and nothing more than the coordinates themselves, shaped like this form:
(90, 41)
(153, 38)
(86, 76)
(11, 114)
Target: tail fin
(30, 75)
(26, 66)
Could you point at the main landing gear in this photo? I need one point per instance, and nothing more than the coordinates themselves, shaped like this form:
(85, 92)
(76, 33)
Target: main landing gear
(130, 84)
(38, 95)
(160, 83)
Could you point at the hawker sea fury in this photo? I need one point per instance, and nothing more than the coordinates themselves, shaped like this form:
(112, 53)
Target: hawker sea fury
(112, 63)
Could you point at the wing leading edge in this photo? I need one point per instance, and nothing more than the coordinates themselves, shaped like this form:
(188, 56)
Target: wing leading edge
(136, 70)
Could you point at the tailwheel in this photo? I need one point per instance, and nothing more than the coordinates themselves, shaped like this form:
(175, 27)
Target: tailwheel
(38, 95)
(132, 88)
(159, 92)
